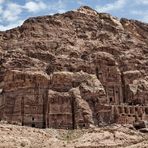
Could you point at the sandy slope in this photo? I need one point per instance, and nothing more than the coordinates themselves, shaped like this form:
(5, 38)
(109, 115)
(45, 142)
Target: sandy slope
(12, 136)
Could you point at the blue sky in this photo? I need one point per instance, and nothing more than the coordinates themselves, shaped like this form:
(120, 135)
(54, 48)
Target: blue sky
(14, 12)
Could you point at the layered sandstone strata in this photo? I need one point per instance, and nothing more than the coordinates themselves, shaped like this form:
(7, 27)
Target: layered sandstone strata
(76, 69)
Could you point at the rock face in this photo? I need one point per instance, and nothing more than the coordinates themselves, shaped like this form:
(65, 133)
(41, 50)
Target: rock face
(74, 70)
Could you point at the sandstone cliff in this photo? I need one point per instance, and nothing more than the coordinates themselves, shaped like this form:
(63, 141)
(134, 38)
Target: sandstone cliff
(77, 69)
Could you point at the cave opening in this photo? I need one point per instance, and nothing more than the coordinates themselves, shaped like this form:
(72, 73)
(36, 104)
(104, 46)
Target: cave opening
(73, 113)
(33, 124)
(110, 99)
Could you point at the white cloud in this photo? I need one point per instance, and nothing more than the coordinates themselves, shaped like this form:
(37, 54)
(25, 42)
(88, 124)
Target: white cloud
(61, 11)
(57, 7)
(1, 10)
(32, 6)
(135, 12)
(10, 15)
(118, 4)
(80, 2)
(2, 1)
(10, 26)
(142, 15)
(145, 19)
(144, 2)
(12, 12)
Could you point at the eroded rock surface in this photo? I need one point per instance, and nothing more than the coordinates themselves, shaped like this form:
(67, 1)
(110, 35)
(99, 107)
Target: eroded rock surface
(77, 69)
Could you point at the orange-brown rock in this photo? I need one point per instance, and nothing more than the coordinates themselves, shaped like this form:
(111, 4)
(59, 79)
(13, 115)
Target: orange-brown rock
(77, 69)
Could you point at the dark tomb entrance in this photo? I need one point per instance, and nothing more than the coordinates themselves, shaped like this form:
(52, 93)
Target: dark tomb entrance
(22, 110)
(33, 124)
(110, 99)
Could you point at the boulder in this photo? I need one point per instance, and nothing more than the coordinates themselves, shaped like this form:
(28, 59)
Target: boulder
(144, 130)
(141, 124)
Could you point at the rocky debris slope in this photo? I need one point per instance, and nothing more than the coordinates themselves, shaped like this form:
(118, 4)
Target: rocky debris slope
(116, 136)
(110, 54)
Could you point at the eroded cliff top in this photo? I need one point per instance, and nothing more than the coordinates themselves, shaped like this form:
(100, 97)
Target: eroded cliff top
(78, 40)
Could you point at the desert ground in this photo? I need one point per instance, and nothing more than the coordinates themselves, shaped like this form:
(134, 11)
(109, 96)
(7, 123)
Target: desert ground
(115, 136)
